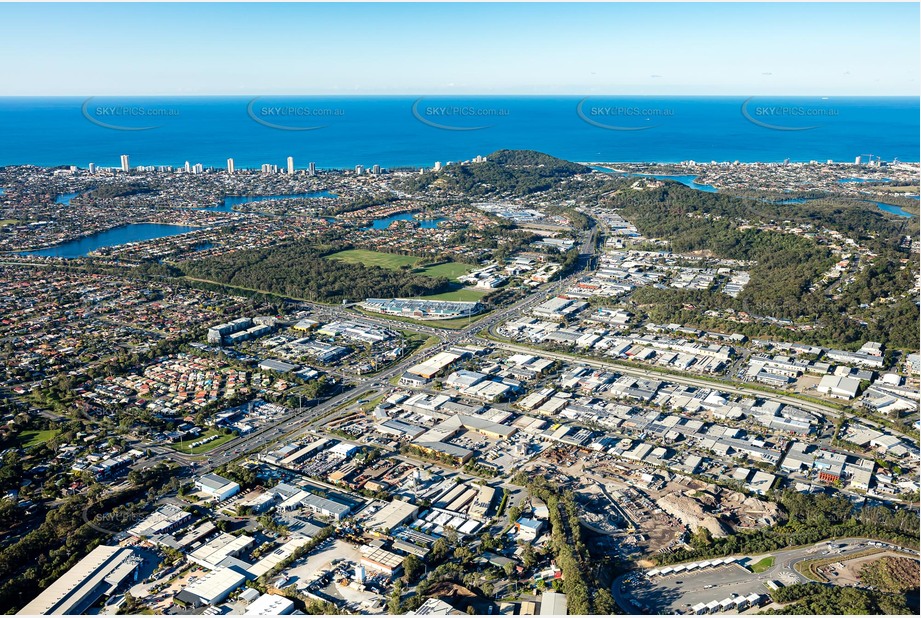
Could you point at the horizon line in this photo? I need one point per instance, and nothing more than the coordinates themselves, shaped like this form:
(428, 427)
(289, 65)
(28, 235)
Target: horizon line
(464, 94)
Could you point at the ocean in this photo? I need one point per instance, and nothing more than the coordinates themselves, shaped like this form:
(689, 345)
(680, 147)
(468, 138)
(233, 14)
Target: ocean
(342, 132)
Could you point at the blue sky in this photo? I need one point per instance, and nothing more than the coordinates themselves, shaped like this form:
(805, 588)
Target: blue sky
(740, 49)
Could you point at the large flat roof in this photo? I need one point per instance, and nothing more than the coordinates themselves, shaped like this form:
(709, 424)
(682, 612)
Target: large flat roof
(216, 550)
(391, 515)
(399, 427)
(161, 520)
(446, 448)
(80, 586)
(324, 504)
(382, 557)
(553, 604)
(277, 365)
(214, 481)
(270, 560)
(216, 583)
(430, 367)
(270, 605)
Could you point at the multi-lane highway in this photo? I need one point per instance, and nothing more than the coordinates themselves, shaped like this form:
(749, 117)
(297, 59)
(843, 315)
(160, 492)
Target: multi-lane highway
(300, 421)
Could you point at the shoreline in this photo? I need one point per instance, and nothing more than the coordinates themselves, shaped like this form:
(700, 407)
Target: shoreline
(220, 166)
(28, 252)
(714, 163)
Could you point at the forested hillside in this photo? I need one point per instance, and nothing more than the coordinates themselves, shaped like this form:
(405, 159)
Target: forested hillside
(517, 172)
(786, 266)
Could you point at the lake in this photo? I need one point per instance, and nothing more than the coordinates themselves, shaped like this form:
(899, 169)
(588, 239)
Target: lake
(687, 180)
(895, 210)
(234, 200)
(384, 223)
(858, 179)
(133, 232)
(795, 200)
(65, 198)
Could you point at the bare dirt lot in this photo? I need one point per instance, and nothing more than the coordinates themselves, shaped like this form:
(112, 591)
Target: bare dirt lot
(460, 597)
(847, 572)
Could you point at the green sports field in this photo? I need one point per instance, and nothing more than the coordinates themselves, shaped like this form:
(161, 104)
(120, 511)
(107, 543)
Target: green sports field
(184, 447)
(374, 258)
(450, 270)
(32, 437)
(462, 294)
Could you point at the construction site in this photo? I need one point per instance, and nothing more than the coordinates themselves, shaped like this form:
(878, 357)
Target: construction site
(651, 510)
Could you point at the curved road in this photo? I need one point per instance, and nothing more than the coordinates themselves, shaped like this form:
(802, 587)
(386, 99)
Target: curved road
(676, 592)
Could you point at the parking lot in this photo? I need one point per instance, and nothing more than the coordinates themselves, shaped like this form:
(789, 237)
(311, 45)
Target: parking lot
(307, 571)
(679, 592)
